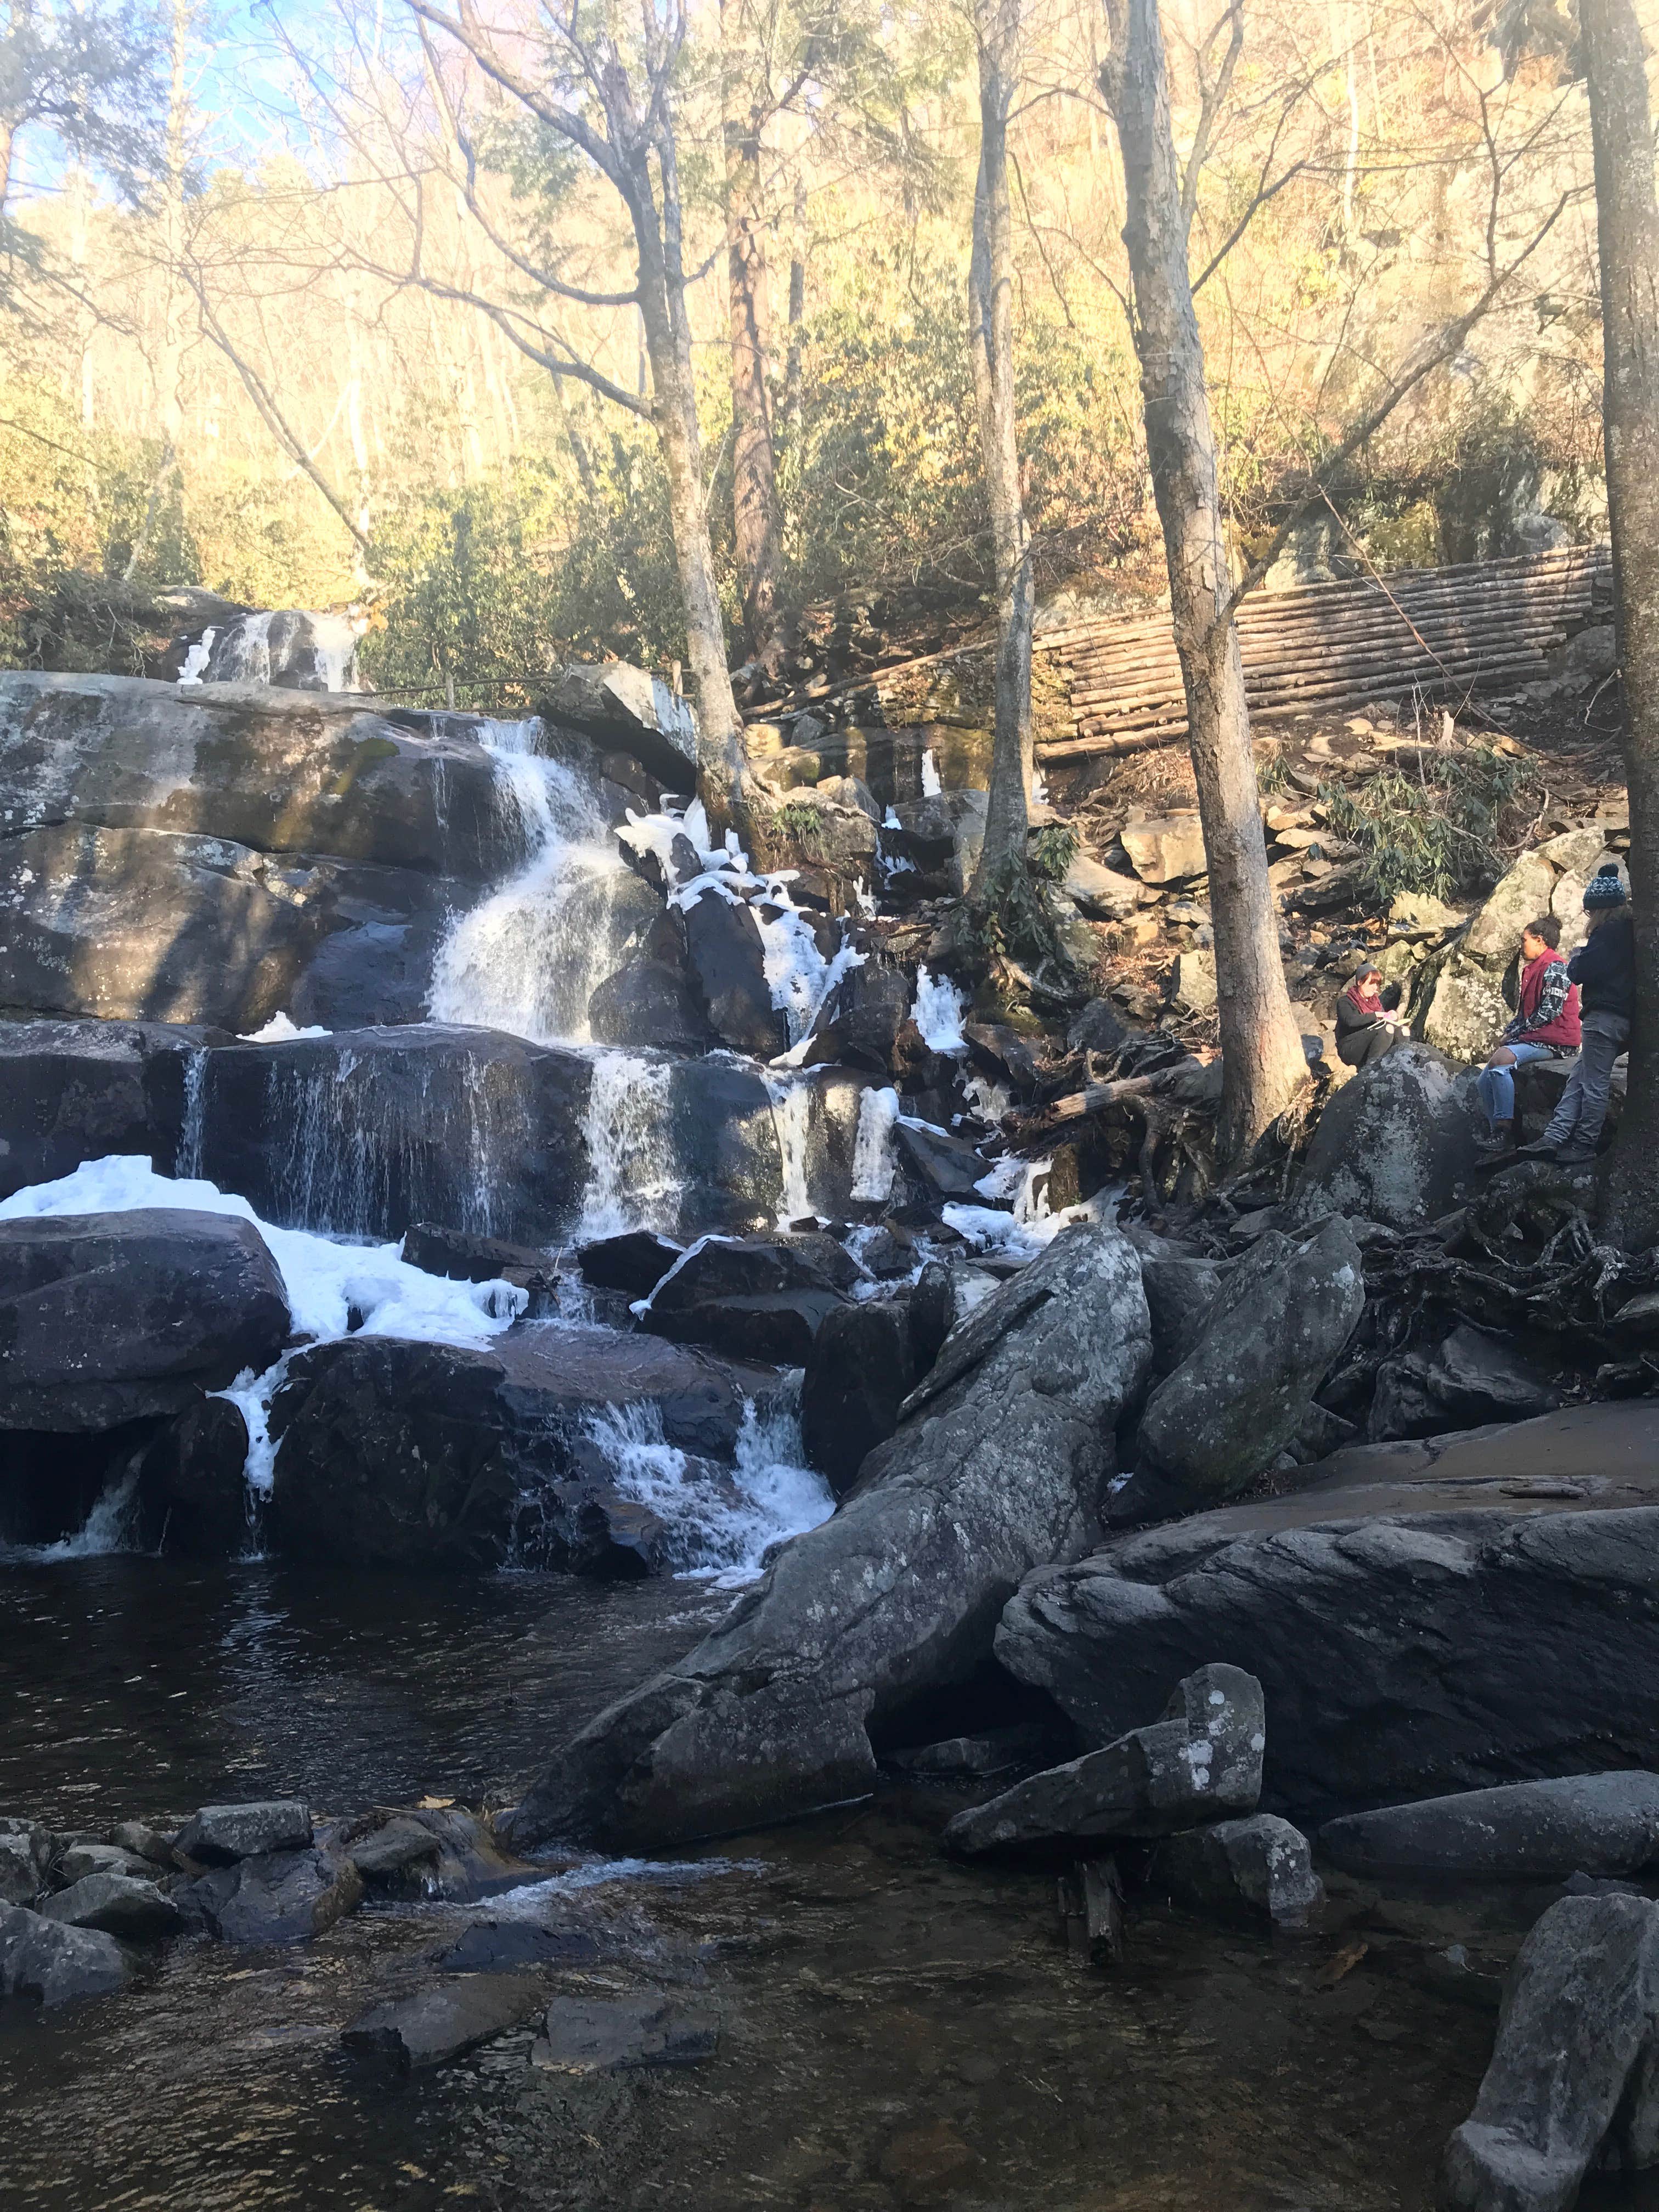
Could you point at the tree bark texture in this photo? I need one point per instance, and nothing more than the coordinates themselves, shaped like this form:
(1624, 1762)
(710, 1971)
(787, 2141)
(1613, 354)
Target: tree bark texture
(1628, 218)
(674, 413)
(1263, 1064)
(792, 364)
(755, 524)
(990, 341)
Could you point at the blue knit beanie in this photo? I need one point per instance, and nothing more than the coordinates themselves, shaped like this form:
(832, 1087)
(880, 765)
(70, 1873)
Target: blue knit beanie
(1604, 888)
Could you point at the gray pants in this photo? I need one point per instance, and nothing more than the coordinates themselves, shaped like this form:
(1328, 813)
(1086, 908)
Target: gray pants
(1577, 1119)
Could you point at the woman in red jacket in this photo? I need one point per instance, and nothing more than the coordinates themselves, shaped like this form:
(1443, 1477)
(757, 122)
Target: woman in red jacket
(1545, 1026)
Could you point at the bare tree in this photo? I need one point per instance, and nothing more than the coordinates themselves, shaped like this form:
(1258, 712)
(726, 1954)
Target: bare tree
(747, 101)
(1263, 1063)
(616, 112)
(990, 337)
(1621, 124)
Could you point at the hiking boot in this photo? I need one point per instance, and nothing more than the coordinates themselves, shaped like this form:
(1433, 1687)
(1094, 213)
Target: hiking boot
(1498, 1143)
(1541, 1148)
(1575, 1156)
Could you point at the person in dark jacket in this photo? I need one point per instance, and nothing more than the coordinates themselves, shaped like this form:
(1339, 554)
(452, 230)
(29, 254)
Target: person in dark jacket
(1365, 1019)
(1604, 968)
(1546, 1025)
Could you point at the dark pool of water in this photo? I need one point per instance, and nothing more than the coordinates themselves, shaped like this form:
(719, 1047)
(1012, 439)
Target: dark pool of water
(133, 1687)
(896, 2030)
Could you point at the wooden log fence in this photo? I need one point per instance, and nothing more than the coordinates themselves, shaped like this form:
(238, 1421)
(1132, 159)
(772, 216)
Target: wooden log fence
(1436, 632)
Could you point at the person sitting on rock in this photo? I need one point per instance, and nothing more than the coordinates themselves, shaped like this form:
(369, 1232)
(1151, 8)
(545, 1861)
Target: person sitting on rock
(1546, 1025)
(1367, 1017)
(1604, 968)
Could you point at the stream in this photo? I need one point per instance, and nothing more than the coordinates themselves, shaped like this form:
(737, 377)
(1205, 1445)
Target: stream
(895, 2028)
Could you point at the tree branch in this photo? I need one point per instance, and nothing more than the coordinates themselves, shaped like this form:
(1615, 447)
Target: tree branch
(1212, 96)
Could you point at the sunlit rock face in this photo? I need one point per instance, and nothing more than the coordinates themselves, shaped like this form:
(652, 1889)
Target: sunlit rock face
(172, 855)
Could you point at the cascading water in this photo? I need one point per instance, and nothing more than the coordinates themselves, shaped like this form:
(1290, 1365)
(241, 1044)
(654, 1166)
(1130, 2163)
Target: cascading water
(530, 957)
(633, 1182)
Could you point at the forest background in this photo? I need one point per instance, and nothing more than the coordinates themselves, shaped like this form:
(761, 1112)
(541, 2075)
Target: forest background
(270, 326)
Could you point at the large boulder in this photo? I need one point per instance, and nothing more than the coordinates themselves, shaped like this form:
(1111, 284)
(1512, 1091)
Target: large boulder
(649, 1001)
(1395, 1143)
(391, 1453)
(1578, 2012)
(999, 1463)
(1201, 1761)
(1259, 1868)
(71, 1092)
(368, 1132)
(219, 856)
(1165, 849)
(106, 1318)
(1466, 1011)
(861, 1368)
(1423, 1618)
(1597, 1824)
(725, 960)
(754, 1297)
(1473, 1377)
(50, 1962)
(275, 1897)
(1262, 1349)
(632, 712)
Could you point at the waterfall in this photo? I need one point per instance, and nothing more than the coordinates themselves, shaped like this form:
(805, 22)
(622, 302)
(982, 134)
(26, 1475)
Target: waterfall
(791, 1117)
(633, 1176)
(189, 1165)
(530, 957)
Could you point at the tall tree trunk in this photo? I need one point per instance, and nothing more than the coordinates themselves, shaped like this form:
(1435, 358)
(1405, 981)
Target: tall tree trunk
(1263, 1063)
(169, 366)
(1627, 219)
(990, 339)
(667, 334)
(756, 523)
(792, 362)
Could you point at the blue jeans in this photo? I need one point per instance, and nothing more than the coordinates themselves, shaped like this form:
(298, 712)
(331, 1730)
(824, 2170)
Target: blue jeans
(1495, 1087)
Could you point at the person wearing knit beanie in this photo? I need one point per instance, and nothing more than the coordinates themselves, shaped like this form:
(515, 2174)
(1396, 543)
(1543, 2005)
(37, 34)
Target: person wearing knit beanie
(1604, 968)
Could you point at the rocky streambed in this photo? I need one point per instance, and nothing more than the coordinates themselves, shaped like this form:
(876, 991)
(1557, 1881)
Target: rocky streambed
(610, 1600)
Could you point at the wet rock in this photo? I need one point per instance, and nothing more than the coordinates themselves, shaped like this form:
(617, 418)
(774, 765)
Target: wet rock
(998, 1462)
(623, 2035)
(1421, 1619)
(1261, 1868)
(506, 1946)
(106, 1317)
(136, 1910)
(1165, 849)
(634, 713)
(279, 1896)
(44, 1960)
(400, 1454)
(1581, 2004)
(23, 1853)
(754, 1297)
(192, 1483)
(368, 1132)
(1261, 1348)
(860, 1369)
(391, 1852)
(725, 960)
(1393, 1143)
(470, 1862)
(651, 1002)
(1018, 1745)
(635, 1262)
(73, 1091)
(217, 856)
(1004, 1054)
(463, 1257)
(944, 1165)
(79, 1861)
(1601, 1824)
(145, 1843)
(218, 1835)
(861, 1019)
(442, 2022)
(1201, 1761)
